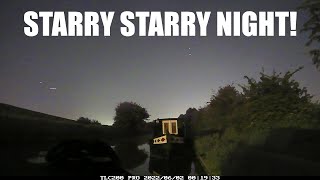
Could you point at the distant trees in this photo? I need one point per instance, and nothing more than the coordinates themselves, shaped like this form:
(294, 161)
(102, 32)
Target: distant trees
(84, 120)
(130, 117)
(313, 26)
(221, 109)
(190, 117)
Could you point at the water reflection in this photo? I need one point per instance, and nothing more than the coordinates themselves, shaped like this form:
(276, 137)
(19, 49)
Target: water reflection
(153, 160)
(171, 166)
(136, 159)
(171, 159)
(131, 156)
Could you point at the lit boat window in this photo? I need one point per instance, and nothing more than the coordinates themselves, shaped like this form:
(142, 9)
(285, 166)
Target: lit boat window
(166, 128)
(170, 126)
(174, 127)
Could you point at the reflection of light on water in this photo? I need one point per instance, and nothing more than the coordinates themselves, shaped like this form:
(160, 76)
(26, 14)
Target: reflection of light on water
(40, 159)
(145, 148)
(143, 168)
(37, 160)
(193, 169)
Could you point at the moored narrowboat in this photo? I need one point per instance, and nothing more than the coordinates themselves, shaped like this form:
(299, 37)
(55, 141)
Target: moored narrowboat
(170, 138)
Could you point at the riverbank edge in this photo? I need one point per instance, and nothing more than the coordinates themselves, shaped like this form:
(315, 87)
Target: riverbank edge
(203, 165)
(200, 160)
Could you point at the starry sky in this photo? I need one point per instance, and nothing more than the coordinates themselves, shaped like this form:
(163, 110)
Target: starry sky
(89, 76)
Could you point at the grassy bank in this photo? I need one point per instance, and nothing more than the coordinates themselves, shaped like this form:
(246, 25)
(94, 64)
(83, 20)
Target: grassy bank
(278, 152)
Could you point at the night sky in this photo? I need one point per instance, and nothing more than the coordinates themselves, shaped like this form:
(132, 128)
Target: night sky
(88, 76)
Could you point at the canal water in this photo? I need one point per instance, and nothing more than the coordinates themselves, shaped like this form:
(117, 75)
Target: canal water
(136, 157)
(138, 160)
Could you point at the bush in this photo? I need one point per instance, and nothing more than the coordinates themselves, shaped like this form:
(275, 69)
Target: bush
(88, 121)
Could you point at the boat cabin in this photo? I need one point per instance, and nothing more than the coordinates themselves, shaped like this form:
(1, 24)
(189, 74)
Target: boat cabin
(169, 130)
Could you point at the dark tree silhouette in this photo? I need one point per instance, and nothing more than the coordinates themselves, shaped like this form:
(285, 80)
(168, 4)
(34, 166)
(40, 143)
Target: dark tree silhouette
(190, 117)
(84, 120)
(313, 26)
(130, 116)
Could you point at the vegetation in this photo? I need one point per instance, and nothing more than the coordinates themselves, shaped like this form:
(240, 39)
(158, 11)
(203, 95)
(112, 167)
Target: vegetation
(312, 7)
(88, 121)
(248, 115)
(130, 117)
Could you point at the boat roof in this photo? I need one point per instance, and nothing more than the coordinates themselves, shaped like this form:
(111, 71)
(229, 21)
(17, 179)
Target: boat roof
(162, 119)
